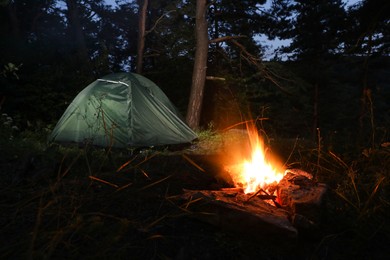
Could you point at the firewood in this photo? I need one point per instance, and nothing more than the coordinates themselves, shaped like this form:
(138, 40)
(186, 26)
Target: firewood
(232, 211)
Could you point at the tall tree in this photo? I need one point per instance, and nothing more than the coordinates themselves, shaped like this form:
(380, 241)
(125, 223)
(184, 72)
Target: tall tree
(117, 35)
(369, 28)
(368, 36)
(229, 20)
(76, 29)
(316, 29)
(142, 11)
(200, 66)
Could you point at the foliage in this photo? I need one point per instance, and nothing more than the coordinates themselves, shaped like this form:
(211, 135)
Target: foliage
(11, 69)
(317, 30)
(369, 27)
(283, 92)
(39, 37)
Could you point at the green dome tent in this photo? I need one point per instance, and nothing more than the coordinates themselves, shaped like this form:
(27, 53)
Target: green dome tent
(122, 110)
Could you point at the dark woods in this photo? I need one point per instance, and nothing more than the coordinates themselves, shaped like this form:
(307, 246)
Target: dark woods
(332, 76)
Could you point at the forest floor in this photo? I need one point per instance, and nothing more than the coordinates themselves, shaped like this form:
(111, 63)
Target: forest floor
(82, 203)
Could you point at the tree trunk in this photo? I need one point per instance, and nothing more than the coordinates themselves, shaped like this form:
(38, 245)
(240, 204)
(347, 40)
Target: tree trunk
(77, 30)
(200, 66)
(366, 108)
(143, 7)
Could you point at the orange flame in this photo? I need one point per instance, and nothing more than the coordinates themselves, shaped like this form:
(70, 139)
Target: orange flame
(260, 171)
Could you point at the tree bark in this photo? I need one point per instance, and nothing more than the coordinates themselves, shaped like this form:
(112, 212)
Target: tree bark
(143, 7)
(200, 66)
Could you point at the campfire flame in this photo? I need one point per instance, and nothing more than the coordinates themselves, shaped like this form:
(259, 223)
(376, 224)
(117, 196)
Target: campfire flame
(260, 171)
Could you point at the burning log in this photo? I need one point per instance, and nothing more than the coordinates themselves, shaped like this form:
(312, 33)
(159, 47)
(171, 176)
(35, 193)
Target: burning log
(297, 206)
(303, 197)
(231, 210)
(267, 200)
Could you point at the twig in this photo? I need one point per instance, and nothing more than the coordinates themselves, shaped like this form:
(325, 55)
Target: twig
(126, 163)
(124, 186)
(292, 151)
(146, 159)
(193, 163)
(103, 181)
(265, 197)
(251, 59)
(254, 195)
(318, 150)
(154, 183)
(158, 21)
(245, 122)
(215, 78)
(226, 38)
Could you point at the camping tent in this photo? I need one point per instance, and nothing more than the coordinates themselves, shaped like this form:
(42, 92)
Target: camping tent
(122, 110)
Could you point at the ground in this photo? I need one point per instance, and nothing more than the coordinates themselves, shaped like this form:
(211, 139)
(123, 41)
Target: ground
(86, 203)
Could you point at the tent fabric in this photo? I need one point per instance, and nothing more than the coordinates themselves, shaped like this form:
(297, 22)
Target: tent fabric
(122, 110)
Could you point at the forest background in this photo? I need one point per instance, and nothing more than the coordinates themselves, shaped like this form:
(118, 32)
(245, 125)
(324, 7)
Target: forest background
(333, 77)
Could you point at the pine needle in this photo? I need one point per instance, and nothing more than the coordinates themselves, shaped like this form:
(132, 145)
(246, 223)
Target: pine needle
(146, 159)
(124, 186)
(191, 201)
(103, 181)
(125, 164)
(155, 183)
(373, 193)
(155, 222)
(193, 163)
(144, 173)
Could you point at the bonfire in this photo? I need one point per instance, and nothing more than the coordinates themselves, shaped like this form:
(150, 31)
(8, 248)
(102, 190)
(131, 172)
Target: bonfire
(261, 172)
(266, 196)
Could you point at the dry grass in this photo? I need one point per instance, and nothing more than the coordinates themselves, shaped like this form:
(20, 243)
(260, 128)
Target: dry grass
(91, 203)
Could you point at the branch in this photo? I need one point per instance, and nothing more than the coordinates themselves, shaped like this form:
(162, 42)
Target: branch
(249, 57)
(226, 38)
(215, 78)
(257, 62)
(158, 21)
